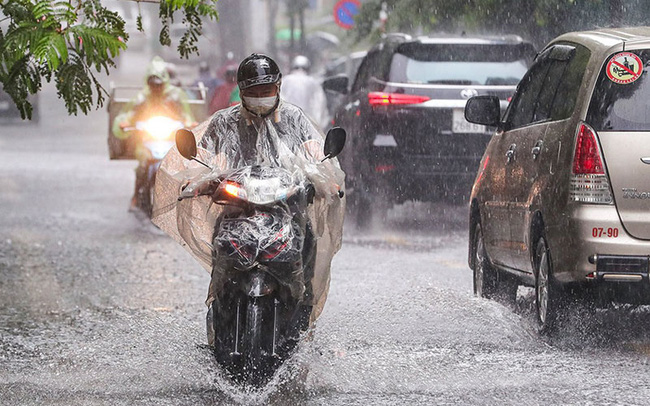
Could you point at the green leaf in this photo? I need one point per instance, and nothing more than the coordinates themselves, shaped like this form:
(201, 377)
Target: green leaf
(138, 23)
(42, 9)
(21, 80)
(74, 85)
(51, 49)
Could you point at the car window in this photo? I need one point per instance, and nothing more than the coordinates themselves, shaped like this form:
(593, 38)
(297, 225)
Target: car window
(550, 89)
(460, 64)
(375, 64)
(522, 108)
(336, 68)
(621, 107)
(565, 98)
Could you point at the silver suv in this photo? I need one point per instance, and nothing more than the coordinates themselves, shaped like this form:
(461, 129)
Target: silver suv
(561, 200)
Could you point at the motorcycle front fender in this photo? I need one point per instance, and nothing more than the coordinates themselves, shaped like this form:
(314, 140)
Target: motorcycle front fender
(259, 284)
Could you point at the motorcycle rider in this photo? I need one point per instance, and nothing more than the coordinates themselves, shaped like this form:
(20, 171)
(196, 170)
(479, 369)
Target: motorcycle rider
(158, 98)
(265, 130)
(301, 89)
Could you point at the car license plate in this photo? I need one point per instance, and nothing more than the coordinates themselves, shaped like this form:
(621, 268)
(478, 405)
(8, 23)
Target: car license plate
(460, 125)
(4, 105)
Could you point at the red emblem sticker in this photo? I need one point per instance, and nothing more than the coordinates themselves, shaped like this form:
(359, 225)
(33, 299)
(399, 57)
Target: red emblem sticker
(624, 68)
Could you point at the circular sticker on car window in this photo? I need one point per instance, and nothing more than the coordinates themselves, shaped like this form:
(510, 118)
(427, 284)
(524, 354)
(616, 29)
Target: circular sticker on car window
(624, 68)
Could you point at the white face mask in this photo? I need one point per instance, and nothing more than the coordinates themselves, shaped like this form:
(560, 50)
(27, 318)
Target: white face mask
(260, 105)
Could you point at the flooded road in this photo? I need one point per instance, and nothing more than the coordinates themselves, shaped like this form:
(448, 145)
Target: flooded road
(98, 307)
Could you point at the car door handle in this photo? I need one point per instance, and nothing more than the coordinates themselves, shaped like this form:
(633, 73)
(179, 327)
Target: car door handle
(510, 153)
(537, 149)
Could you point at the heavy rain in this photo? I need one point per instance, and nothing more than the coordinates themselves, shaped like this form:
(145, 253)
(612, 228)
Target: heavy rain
(489, 244)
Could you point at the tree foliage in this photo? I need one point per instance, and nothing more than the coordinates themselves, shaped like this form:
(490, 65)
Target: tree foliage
(536, 20)
(70, 40)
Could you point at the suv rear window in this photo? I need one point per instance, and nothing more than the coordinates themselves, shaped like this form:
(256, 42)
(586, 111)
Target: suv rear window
(621, 107)
(460, 64)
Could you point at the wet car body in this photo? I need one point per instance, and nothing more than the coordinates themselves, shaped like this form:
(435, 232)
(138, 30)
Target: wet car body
(573, 175)
(347, 66)
(404, 113)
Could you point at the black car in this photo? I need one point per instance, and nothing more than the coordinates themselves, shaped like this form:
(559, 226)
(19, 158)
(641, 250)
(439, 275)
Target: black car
(404, 113)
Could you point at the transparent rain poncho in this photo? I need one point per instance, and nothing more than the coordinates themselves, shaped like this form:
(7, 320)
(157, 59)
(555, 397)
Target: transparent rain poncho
(231, 139)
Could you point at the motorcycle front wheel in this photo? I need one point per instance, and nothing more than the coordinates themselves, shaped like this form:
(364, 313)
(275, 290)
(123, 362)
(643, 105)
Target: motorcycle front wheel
(259, 362)
(145, 195)
(254, 354)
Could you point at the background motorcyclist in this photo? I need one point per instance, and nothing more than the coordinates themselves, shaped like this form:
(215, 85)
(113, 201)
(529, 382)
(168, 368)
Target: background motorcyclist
(227, 93)
(301, 89)
(157, 98)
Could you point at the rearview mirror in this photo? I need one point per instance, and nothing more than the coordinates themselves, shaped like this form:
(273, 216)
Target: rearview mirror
(334, 142)
(186, 143)
(338, 84)
(484, 110)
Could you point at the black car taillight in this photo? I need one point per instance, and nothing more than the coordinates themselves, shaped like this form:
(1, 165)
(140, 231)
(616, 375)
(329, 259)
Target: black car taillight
(384, 99)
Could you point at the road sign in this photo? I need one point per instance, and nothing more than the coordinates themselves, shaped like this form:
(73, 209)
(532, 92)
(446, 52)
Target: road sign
(344, 12)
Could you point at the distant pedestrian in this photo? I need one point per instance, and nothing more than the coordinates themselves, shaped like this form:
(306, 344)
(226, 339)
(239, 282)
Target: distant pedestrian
(301, 89)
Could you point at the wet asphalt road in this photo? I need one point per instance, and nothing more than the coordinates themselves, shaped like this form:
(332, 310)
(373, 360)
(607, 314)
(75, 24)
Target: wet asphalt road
(98, 307)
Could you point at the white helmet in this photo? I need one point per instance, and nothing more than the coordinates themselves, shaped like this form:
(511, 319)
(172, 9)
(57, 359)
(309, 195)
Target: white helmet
(301, 62)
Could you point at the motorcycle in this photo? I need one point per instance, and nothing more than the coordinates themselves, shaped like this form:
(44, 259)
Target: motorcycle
(263, 254)
(156, 136)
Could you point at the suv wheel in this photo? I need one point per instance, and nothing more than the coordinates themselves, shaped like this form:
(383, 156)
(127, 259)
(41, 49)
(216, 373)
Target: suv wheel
(485, 277)
(548, 294)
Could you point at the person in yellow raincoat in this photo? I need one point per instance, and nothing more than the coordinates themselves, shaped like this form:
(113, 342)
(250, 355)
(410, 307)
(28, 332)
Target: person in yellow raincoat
(157, 98)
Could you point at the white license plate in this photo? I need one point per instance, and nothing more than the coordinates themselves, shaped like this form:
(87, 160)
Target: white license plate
(4, 105)
(460, 125)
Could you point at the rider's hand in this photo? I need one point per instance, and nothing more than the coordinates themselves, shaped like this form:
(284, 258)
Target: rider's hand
(123, 125)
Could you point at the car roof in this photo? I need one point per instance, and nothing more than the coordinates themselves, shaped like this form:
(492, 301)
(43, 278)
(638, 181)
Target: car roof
(504, 40)
(400, 38)
(395, 39)
(606, 38)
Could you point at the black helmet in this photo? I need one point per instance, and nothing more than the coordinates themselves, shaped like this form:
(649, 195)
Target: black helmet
(257, 69)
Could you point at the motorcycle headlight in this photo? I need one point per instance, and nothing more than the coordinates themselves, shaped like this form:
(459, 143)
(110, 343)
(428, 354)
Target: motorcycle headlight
(266, 191)
(161, 127)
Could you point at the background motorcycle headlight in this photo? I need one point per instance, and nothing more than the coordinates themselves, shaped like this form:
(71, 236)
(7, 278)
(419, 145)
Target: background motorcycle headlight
(161, 127)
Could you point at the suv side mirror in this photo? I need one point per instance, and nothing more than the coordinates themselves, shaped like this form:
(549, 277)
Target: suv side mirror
(334, 142)
(484, 110)
(338, 84)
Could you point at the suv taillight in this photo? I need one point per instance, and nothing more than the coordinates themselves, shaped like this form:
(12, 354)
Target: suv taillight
(384, 99)
(589, 183)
